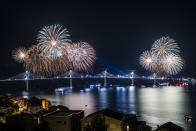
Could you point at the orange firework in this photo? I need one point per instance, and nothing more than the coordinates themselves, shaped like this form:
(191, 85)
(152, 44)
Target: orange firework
(42, 65)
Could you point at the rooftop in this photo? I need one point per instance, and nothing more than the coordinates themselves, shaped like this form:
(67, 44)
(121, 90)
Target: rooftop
(170, 127)
(23, 116)
(110, 113)
(64, 113)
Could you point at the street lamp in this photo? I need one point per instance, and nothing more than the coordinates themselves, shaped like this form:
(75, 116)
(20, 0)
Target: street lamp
(70, 81)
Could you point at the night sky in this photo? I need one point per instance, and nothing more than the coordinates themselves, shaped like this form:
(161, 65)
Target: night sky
(119, 32)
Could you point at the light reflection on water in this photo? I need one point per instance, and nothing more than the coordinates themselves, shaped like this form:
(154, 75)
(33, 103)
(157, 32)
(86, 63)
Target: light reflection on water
(163, 105)
(154, 105)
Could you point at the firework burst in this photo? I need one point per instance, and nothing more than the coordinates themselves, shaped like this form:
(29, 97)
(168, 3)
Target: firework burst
(35, 63)
(52, 40)
(148, 60)
(172, 64)
(55, 54)
(81, 55)
(44, 66)
(165, 46)
(163, 59)
(20, 55)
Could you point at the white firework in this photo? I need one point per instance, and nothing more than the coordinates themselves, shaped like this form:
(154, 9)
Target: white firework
(81, 55)
(165, 46)
(148, 60)
(172, 64)
(20, 55)
(163, 59)
(52, 40)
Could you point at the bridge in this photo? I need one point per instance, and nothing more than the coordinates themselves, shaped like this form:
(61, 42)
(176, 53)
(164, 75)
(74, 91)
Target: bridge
(71, 74)
(26, 76)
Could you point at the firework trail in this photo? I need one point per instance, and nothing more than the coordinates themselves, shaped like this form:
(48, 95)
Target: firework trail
(44, 66)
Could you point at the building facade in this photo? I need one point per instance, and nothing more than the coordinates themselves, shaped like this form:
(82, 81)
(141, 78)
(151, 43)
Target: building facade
(109, 120)
(64, 120)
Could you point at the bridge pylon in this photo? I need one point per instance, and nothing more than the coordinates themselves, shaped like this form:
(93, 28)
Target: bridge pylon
(70, 80)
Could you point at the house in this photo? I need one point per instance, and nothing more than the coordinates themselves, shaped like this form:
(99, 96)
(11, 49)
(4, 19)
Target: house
(23, 104)
(169, 126)
(35, 105)
(8, 105)
(60, 120)
(34, 109)
(23, 121)
(45, 104)
(42, 104)
(66, 120)
(113, 121)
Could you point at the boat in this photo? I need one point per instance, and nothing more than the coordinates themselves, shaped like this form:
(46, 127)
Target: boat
(62, 89)
(164, 84)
